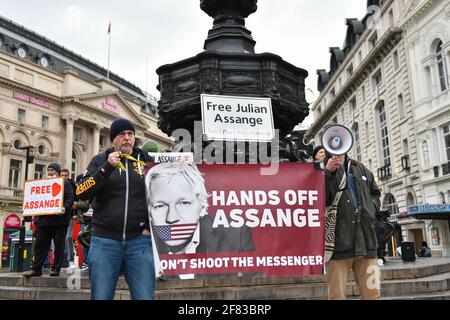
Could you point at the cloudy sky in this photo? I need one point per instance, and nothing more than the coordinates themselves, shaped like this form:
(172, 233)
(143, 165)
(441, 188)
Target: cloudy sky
(157, 32)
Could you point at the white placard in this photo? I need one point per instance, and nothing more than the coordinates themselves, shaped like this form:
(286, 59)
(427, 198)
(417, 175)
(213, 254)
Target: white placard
(43, 197)
(237, 118)
(183, 157)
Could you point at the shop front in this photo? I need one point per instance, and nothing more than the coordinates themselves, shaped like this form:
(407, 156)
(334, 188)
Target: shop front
(11, 224)
(436, 219)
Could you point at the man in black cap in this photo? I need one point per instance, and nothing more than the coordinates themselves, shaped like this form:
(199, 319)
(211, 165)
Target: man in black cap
(121, 236)
(319, 153)
(52, 227)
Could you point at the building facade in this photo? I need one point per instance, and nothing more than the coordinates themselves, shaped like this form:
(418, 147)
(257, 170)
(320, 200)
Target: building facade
(426, 25)
(368, 90)
(61, 105)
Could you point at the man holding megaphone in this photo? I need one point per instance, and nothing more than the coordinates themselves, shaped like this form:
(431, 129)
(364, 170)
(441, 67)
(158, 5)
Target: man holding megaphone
(352, 199)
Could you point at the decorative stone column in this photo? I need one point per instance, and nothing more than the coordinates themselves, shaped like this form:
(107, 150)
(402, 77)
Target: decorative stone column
(431, 62)
(5, 150)
(70, 120)
(96, 137)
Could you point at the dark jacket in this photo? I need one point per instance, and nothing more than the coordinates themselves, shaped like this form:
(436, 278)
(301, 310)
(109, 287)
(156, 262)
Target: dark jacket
(74, 187)
(60, 219)
(119, 200)
(425, 252)
(355, 231)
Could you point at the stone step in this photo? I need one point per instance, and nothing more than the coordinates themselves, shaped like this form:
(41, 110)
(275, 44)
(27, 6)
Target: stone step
(445, 295)
(42, 293)
(397, 271)
(429, 284)
(306, 290)
(428, 277)
(409, 270)
(432, 285)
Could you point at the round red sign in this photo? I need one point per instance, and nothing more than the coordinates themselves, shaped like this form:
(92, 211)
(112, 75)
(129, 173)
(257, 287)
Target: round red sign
(12, 221)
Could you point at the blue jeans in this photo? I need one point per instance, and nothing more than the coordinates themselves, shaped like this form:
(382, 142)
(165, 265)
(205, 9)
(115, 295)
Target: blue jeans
(68, 249)
(108, 257)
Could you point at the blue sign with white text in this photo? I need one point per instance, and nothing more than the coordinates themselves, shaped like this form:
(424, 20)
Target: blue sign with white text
(428, 208)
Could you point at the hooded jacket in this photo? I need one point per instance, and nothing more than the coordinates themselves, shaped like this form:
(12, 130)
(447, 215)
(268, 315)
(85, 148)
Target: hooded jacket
(119, 201)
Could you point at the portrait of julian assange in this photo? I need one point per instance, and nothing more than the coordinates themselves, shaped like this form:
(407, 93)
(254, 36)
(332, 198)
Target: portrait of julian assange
(178, 206)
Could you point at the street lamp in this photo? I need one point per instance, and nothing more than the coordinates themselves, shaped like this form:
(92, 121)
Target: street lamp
(29, 159)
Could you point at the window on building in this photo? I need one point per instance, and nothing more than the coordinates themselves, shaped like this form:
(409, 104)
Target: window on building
(39, 171)
(342, 113)
(350, 71)
(395, 60)
(447, 140)
(392, 205)
(405, 161)
(332, 93)
(17, 143)
(76, 134)
(428, 81)
(377, 79)
(21, 116)
(426, 153)
(41, 149)
(366, 129)
(363, 93)
(74, 166)
(386, 153)
(360, 57)
(352, 104)
(373, 41)
(391, 18)
(102, 141)
(442, 67)
(15, 167)
(401, 106)
(442, 197)
(405, 147)
(44, 122)
(410, 199)
(357, 149)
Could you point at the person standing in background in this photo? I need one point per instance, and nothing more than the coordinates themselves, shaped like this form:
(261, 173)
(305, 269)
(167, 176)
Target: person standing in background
(52, 227)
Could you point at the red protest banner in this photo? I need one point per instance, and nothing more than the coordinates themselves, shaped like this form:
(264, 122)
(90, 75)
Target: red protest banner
(237, 221)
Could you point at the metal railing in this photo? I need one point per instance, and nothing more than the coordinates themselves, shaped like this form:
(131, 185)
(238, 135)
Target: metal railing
(384, 172)
(405, 163)
(446, 168)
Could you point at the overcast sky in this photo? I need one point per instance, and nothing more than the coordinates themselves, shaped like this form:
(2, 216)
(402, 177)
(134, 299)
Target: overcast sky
(300, 31)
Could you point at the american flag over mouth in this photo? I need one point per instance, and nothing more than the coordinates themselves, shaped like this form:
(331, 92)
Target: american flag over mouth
(175, 232)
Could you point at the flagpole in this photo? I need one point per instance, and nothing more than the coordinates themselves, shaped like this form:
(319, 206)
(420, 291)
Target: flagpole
(109, 48)
(146, 76)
